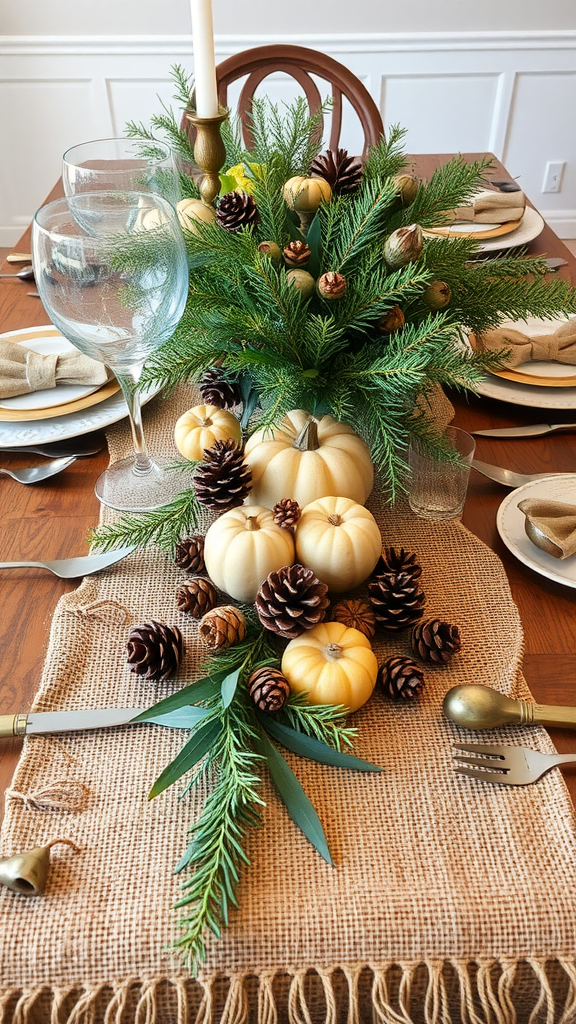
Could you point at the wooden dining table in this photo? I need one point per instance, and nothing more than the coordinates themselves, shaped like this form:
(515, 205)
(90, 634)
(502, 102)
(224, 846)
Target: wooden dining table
(52, 520)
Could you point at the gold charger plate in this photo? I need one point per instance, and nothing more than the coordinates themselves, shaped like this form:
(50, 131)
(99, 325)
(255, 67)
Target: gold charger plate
(85, 402)
(540, 380)
(449, 231)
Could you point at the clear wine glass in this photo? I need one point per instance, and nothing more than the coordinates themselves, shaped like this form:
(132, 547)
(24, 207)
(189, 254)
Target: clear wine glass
(124, 165)
(112, 273)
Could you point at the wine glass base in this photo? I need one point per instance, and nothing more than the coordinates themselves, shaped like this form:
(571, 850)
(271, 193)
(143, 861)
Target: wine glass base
(122, 488)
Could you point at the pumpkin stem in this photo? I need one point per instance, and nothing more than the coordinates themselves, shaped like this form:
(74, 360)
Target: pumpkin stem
(252, 523)
(332, 652)
(206, 422)
(307, 440)
(334, 519)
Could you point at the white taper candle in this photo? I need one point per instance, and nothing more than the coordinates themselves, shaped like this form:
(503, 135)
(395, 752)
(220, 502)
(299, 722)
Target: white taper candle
(204, 61)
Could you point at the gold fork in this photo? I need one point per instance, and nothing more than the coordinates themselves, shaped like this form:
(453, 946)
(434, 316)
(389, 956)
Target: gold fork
(508, 766)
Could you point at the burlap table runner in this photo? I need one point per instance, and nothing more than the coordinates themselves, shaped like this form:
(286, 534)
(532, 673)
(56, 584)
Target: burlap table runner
(449, 900)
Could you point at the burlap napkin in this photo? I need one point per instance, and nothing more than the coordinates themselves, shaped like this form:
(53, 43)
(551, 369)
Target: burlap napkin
(557, 346)
(492, 208)
(23, 371)
(555, 520)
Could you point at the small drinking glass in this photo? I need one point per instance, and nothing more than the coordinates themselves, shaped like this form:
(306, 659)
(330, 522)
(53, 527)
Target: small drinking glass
(112, 273)
(437, 486)
(123, 165)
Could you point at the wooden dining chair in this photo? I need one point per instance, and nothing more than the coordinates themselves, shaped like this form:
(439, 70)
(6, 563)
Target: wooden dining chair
(301, 63)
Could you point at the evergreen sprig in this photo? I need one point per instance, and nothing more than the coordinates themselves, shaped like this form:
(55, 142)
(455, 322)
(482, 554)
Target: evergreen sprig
(164, 526)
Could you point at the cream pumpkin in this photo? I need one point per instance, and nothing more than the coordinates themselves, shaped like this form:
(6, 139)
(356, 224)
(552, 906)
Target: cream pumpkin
(339, 539)
(191, 211)
(244, 545)
(306, 194)
(200, 427)
(333, 664)
(307, 458)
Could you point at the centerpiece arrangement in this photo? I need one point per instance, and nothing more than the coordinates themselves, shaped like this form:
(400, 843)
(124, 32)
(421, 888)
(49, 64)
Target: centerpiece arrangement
(321, 318)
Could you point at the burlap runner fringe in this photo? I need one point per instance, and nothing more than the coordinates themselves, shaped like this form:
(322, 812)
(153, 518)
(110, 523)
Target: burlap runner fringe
(426, 992)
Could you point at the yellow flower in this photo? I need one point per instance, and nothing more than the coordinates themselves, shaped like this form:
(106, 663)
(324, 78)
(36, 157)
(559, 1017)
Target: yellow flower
(244, 182)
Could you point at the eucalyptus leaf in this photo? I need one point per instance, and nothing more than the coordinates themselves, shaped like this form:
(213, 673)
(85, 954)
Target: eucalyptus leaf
(203, 689)
(182, 718)
(193, 751)
(313, 239)
(307, 746)
(228, 687)
(297, 803)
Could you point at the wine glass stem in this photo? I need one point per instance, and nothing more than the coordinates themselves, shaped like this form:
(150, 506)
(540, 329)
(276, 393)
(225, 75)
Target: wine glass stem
(128, 382)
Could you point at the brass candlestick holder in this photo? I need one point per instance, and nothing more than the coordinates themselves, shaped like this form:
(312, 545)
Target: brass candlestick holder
(209, 151)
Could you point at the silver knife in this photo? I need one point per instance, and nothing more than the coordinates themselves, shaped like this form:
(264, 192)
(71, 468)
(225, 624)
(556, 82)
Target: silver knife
(34, 723)
(536, 430)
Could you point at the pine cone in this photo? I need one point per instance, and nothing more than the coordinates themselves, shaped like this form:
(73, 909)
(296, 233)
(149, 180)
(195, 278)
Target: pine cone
(268, 688)
(395, 561)
(197, 597)
(331, 285)
(222, 627)
(342, 172)
(356, 613)
(291, 601)
(286, 513)
(222, 480)
(154, 650)
(190, 554)
(397, 600)
(392, 321)
(400, 678)
(217, 390)
(237, 210)
(296, 254)
(435, 640)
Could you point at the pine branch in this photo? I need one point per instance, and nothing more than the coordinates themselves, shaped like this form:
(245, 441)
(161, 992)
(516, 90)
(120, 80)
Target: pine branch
(387, 158)
(451, 185)
(164, 526)
(325, 722)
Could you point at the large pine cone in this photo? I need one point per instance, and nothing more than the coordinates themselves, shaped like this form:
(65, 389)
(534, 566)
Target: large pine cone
(400, 678)
(237, 210)
(397, 600)
(190, 554)
(154, 650)
(197, 597)
(291, 600)
(268, 688)
(222, 480)
(395, 561)
(435, 640)
(223, 627)
(218, 390)
(342, 172)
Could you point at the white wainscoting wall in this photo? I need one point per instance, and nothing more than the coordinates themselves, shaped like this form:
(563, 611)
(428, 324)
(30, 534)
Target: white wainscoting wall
(512, 93)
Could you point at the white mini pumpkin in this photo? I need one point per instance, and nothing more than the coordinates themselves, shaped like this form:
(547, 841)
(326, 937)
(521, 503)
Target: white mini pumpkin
(244, 545)
(191, 211)
(307, 458)
(339, 539)
(200, 427)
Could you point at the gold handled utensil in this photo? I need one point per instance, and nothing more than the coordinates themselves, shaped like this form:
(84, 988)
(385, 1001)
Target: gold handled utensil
(479, 707)
(19, 257)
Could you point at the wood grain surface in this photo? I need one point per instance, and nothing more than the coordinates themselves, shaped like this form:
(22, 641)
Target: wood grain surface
(52, 520)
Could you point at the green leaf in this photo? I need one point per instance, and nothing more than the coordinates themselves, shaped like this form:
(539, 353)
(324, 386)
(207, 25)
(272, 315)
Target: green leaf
(227, 183)
(313, 239)
(193, 751)
(297, 803)
(203, 689)
(228, 688)
(307, 746)
(185, 718)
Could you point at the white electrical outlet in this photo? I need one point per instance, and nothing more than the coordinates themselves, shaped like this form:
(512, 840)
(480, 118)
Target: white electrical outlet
(553, 176)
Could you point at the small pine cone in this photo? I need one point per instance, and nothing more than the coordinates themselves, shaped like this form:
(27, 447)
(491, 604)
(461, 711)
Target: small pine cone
(400, 678)
(342, 172)
(395, 561)
(218, 390)
(190, 554)
(222, 627)
(268, 688)
(397, 600)
(291, 600)
(392, 321)
(286, 513)
(356, 613)
(296, 254)
(222, 480)
(435, 640)
(154, 650)
(237, 210)
(331, 285)
(197, 597)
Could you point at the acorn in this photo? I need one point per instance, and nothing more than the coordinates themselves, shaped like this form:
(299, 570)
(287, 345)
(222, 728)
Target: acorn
(392, 321)
(272, 251)
(406, 187)
(437, 295)
(331, 285)
(303, 281)
(403, 246)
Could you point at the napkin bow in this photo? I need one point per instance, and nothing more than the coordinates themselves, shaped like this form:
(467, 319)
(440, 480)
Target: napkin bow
(554, 521)
(559, 346)
(492, 208)
(23, 371)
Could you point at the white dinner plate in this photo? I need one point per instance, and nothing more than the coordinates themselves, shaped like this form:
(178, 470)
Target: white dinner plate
(46, 341)
(531, 226)
(510, 523)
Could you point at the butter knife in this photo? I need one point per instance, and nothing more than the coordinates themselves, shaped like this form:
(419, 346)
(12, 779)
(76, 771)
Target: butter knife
(535, 430)
(39, 723)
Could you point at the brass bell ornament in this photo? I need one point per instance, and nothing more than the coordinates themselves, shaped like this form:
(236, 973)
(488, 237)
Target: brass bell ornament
(26, 873)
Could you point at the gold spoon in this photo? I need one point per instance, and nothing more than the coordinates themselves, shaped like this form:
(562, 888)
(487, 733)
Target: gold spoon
(480, 707)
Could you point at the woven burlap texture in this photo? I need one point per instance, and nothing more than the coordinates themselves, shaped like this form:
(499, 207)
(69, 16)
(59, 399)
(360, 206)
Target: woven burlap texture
(449, 899)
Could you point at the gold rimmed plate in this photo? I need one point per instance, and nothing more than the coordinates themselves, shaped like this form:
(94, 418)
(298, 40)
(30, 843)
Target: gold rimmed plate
(475, 231)
(58, 401)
